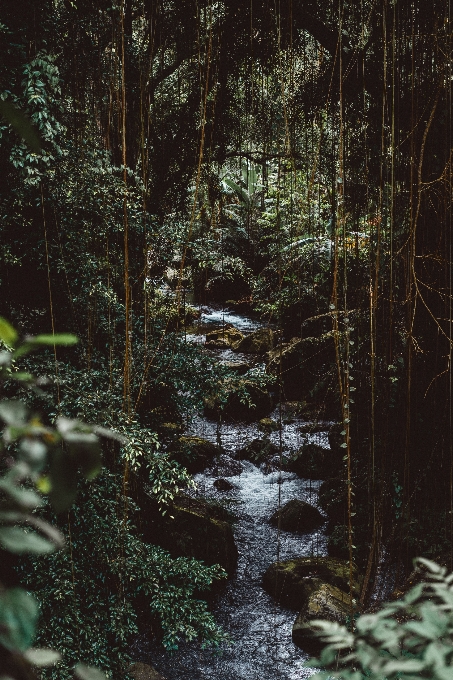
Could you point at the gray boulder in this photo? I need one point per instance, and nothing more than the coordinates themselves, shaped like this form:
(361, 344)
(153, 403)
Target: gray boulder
(298, 517)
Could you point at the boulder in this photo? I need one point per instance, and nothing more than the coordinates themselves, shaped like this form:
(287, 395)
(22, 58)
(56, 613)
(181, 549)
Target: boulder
(195, 528)
(297, 516)
(268, 425)
(324, 602)
(239, 367)
(196, 454)
(223, 337)
(312, 461)
(291, 582)
(258, 451)
(223, 485)
(142, 671)
(226, 467)
(258, 342)
(236, 410)
(304, 367)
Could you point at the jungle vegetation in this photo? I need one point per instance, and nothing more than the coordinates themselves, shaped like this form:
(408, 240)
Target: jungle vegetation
(293, 158)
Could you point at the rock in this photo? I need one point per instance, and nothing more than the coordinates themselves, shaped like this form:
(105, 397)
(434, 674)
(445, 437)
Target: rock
(305, 368)
(225, 466)
(258, 342)
(239, 367)
(196, 454)
(141, 671)
(258, 451)
(235, 410)
(324, 602)
(223, 485)
(268, 425)
(195, 528)
(292, 582)
(224, 337)
(217, 344)
(298, 516)
(312, 461)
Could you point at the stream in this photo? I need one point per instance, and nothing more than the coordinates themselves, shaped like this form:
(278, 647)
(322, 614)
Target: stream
(260, 645)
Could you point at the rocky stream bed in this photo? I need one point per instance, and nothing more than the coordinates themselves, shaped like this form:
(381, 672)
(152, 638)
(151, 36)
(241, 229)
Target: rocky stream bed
(259, 628)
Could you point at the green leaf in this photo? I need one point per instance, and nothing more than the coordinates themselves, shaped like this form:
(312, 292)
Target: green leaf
(56, 339)
(27, 498)
(63, 479)
(18, 617)
(13, 412)
(19, 540)
(21, 124)
(88, 672)
(7, 333)
(42, 657)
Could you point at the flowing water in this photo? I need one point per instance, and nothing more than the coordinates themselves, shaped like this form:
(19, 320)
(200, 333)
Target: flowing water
(260, 631)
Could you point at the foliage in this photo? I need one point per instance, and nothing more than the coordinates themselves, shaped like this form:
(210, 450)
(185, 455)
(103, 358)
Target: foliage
(107, 574)
(406, 639)
(37, 458)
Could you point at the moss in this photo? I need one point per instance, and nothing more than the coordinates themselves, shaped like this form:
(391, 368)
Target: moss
(291, 582)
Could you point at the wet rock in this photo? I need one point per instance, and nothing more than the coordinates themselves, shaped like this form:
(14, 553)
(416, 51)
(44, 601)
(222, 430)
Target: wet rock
(226, 467)
(291, 582)
(239, 367)
(195, 528)
(324, 602)
(223, 485)
(217, 344)
(236, 410)
(305, 368)
(312, 461)
(258, 342)
(258, 451)
(196, 453)
(268, 425)
(298, 516)
(142, 671)
(223, 338)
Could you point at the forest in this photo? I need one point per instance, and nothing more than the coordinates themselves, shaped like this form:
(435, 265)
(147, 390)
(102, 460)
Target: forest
(226, 331)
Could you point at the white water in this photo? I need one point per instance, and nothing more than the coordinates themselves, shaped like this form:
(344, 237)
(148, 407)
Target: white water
(260, 631)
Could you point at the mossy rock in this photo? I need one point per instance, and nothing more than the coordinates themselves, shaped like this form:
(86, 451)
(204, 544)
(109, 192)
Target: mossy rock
(258, 342)
(258, 451)
(268, 425)
(324, 602)
(297, 516)
(235, 410)
(227, 336)
(312, 461)
(239, 367)
(196, 453)
(291, 582)
(142, 671)
(196, 528)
